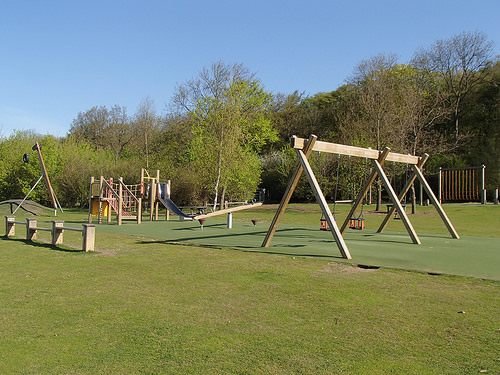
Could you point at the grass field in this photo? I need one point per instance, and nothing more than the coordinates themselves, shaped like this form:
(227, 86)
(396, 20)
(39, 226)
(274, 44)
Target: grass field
(166, 297)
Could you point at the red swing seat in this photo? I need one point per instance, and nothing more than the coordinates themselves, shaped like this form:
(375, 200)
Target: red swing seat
(357, 223)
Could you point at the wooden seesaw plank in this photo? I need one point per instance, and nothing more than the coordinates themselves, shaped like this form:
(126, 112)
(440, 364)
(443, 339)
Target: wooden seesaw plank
(228, 210)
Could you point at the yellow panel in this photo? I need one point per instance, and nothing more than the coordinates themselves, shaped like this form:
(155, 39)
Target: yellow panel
(95, 208)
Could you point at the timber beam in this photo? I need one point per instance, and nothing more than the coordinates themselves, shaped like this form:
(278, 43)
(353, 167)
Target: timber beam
(335, 148)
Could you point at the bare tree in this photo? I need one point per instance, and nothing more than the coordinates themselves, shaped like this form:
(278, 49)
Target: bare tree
(225, 106)
(376, 99)
(145, 124)
(118, 134)
(460, 61)
(212, 82)
(90, 126)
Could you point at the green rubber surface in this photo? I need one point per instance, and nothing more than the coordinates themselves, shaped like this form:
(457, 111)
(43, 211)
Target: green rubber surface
(438, 254)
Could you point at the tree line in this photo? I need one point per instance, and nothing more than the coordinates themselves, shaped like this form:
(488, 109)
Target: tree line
(223, 135)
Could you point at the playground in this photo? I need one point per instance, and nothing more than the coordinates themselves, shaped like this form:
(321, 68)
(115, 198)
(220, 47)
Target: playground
(209, 292)
(168, 297)
(475, 254)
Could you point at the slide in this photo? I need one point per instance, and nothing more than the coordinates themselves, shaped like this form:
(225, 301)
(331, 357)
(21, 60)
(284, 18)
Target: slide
(170, 205)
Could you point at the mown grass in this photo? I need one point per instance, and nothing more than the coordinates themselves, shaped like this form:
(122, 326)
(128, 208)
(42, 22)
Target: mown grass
(139, 306)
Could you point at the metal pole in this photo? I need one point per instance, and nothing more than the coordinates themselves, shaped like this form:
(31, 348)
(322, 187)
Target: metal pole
(34, 186)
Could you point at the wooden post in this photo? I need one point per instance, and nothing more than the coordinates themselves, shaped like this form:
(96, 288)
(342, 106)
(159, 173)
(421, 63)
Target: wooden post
(292, 184)
(90, 198)
(10, 226)
(31, 229)
(88, 237)
(57, 232)
(120, 201)
(139, 211)
(157, 203)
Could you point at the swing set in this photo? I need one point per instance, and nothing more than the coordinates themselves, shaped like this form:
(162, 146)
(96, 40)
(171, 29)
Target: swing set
(304, 147)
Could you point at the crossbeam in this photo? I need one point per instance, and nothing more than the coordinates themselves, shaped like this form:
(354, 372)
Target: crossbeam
(335, 148)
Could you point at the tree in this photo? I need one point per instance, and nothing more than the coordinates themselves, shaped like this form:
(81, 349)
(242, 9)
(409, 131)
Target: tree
(460, 61)
(90, 126)
(17, 178)
(145, 127)
(105, 129)
(227, 110)
(286, 114)
(482, 115)
(376, 99)
(118, 132)
(376, 107)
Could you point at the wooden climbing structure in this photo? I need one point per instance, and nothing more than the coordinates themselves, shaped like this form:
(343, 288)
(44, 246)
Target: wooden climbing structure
(107, 196)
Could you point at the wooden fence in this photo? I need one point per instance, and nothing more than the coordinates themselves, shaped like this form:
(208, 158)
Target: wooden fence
(57, 230)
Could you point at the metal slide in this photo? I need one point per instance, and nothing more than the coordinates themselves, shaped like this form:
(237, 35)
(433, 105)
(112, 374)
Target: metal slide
(170, 205)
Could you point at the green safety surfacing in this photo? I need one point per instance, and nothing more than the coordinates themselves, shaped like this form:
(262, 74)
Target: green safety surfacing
(438, 253)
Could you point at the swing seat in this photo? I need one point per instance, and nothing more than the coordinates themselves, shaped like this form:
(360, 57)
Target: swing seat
(357, 223)
(324, 224)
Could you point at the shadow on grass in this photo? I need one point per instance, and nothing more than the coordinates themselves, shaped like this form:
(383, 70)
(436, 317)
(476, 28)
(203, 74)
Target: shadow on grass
(43, 245)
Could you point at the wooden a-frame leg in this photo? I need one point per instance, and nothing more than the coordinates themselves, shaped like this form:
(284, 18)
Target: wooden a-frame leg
(435, 202)
(403, 192)
(344, 251)
(397, 203)
(292, 184)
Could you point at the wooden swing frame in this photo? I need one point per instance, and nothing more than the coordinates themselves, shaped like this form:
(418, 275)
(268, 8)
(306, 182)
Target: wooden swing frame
(304, 147)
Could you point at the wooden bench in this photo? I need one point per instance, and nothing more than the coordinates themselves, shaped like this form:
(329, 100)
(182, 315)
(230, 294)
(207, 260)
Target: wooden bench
(57, 230)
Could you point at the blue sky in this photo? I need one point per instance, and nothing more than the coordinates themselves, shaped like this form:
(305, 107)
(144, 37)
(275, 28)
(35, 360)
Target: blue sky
(59, 58)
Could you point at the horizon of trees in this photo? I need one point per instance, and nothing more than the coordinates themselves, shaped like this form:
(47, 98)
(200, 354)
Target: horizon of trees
(222, 136)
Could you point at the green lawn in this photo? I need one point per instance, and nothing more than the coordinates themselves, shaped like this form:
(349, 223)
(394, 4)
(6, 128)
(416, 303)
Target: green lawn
(143, 304)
